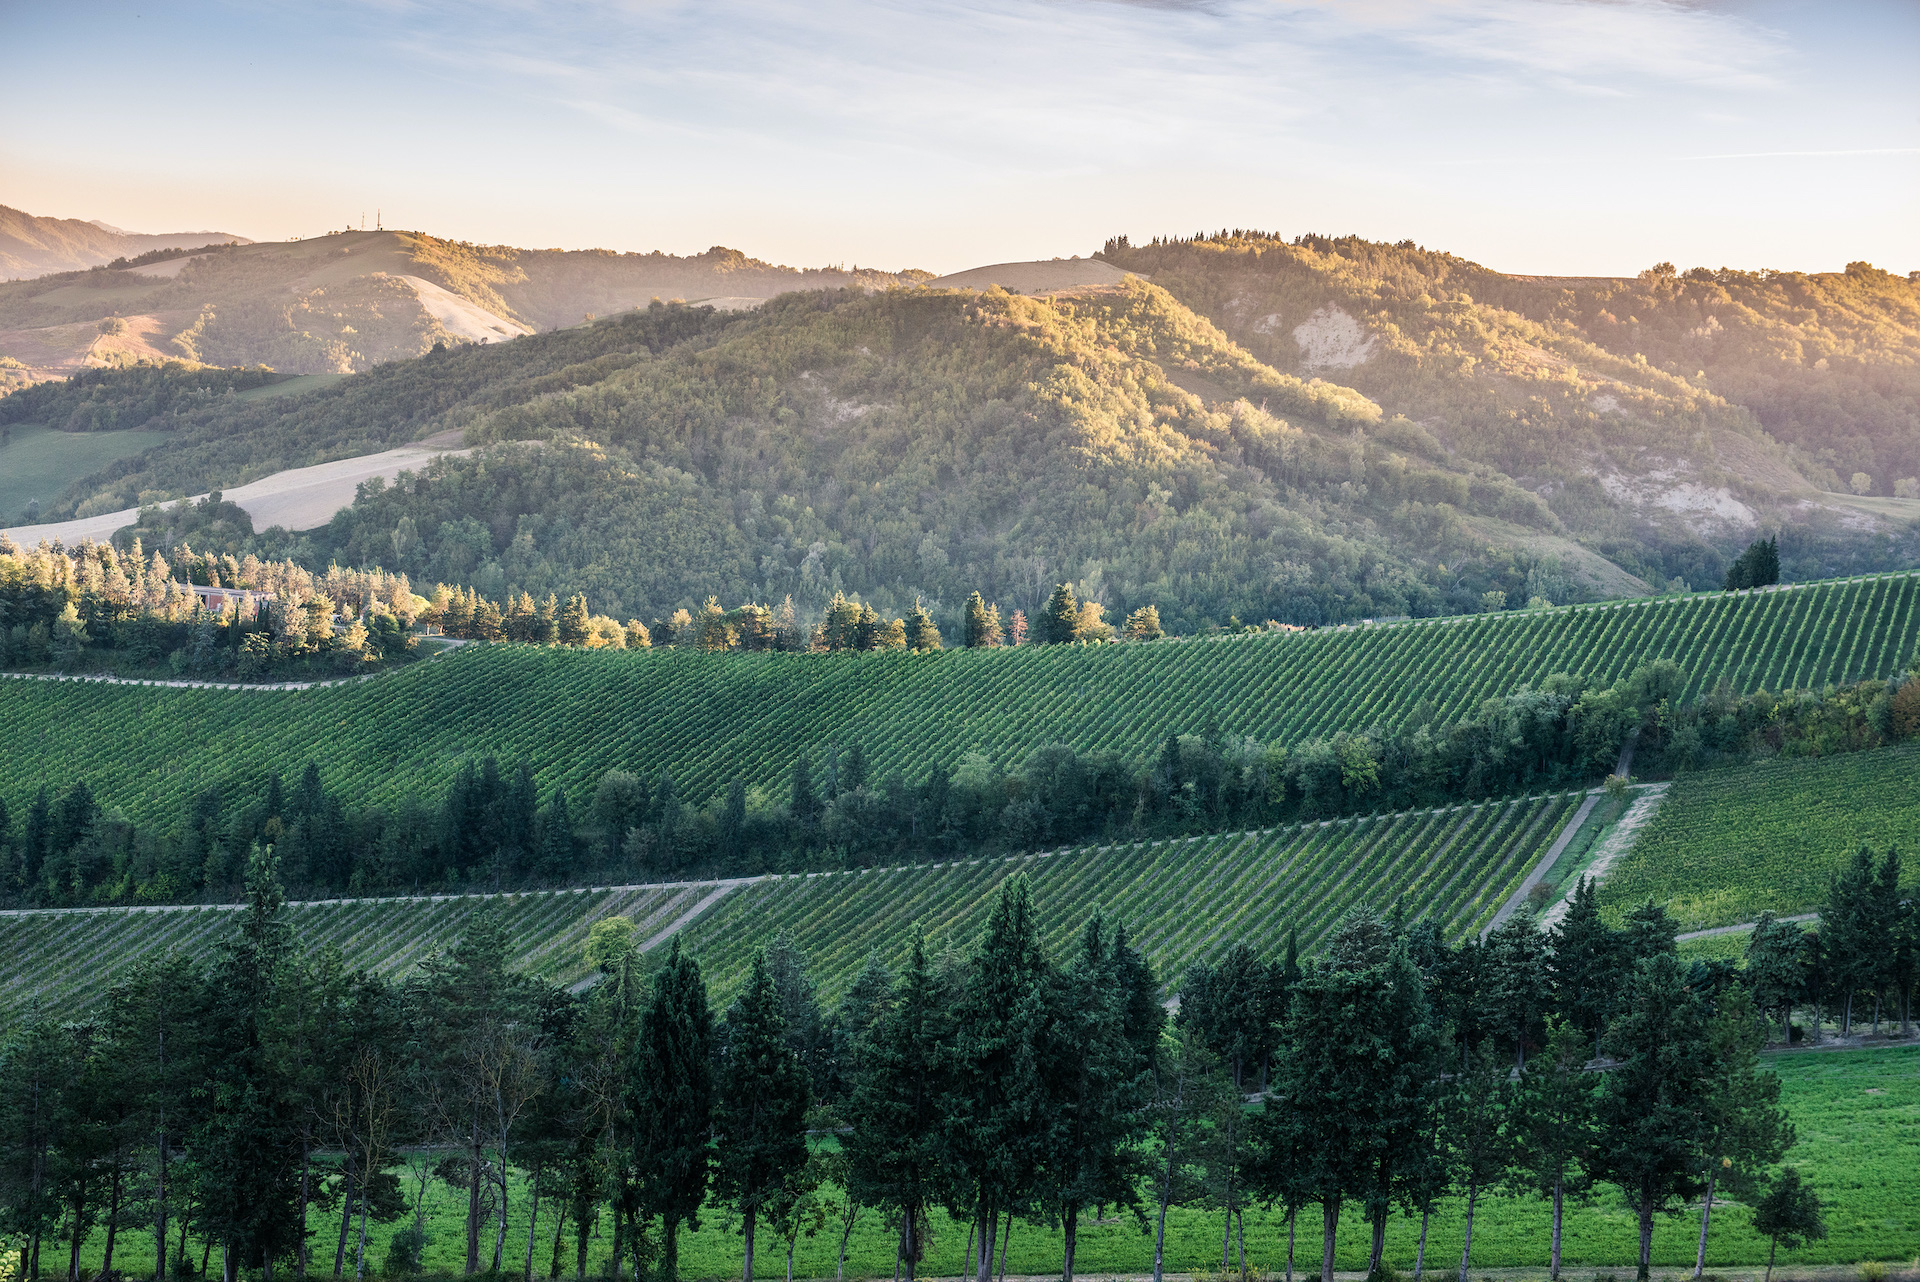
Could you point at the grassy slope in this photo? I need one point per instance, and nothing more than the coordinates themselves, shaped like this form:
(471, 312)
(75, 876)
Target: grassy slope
(709, 719)
(1728, 845)
(1855, 1147)
(39, 463)
(1182, 900)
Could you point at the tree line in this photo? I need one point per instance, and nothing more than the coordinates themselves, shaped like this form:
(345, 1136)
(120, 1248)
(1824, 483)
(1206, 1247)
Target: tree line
(493, 824)
(269, 1104)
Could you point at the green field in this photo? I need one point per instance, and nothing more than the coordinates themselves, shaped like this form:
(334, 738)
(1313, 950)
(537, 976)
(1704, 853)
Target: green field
(1857, 1114)
(713, 718)
(40, 463)
(1181, 899)
(1728, 845)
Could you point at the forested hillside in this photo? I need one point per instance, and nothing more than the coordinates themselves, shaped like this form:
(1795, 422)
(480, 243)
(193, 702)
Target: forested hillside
(1657, 411)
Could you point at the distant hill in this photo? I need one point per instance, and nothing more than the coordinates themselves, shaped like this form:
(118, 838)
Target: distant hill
(344, 302)
(34, 246)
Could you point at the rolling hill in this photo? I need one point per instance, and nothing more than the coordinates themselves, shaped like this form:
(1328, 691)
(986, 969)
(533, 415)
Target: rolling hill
(34, 246)
(346, 301)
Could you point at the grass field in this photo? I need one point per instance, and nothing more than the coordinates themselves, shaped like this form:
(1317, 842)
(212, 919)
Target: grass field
(1729, 844)
(40, 463)
(1181, 900)
(1857, 1114)
(712, 718)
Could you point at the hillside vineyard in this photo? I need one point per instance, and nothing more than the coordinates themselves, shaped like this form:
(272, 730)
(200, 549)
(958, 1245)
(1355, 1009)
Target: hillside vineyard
(712, 719)
(1180, 898)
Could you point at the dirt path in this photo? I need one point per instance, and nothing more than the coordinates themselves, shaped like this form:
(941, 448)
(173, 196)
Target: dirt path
(1541, 869)
(1612, 847)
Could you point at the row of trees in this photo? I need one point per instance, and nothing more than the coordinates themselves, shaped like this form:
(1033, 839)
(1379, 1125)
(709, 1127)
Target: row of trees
(494, 824)
(844, 625)
(234, 1105)
(1864, 953)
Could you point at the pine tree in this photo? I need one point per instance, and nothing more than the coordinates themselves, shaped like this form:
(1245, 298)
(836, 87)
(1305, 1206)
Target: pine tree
(760, 1106)
(1552, 1121)
(921, 633)
(895, 1149)
(980, 626)
(486, 620)
(1744, 1129)
(670, 1094)
(573, 621)
(558, 848)
(518, 623)
(1651, 1104)
(1583, 964)
(1060, 617)
(546, 622)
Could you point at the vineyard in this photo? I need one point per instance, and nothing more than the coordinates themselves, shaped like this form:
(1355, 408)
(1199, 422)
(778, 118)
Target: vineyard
(1181, 900)
(1729, 845)
(712, 718)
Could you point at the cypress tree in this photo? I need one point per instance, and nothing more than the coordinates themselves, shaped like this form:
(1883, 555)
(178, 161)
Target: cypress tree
(1651, 1105)
(1059, 619)
(981, 623)
(573, 621)
(802, 802)
(895, 1149)
(670, 1094)
(557, 847)
(1583, 964)
(921, 632)
(760, 1106)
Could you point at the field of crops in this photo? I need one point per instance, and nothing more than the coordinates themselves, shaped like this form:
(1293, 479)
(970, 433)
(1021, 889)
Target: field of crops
(712, 718)
(1181, 900)
(1728, 845)
(65, 960)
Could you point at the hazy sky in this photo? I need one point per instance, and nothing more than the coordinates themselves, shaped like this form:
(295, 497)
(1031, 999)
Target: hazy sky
(1556, 136)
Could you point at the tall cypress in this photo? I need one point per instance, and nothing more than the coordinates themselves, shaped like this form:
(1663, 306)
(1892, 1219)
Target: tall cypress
(1060, 618)
(760, 1106)
(670, 1093)
(1583, 964)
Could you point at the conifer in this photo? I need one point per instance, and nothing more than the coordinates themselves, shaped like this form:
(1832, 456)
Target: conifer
(573, 621)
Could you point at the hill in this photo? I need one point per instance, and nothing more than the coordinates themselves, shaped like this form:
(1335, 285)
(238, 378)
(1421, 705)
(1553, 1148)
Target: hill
(706, 721)
(34, 246)
(1671, 407)
(346, 301)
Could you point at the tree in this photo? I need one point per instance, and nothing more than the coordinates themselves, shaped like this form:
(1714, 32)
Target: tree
(980, 623)
(1472, 1115)
(1059, 618)
(1322, 1107)
(1191, 1093)
(1143, 624)
(1099, 1083)
(572, 623)
(1650, 1131)
(1757, 567)
(1743, 1130)
(1517, 991)
(1773, 972)
(246, 1147)
(1788, 1215)
(894, 1150)
(1550, 1124)
(921, 632)
(671, 1098)
(1583, 964)
(994, 1100)
(760, 1106)
(1231, 1008)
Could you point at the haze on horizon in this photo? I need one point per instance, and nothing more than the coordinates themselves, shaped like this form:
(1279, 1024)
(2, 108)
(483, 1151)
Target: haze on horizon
(1565, 137)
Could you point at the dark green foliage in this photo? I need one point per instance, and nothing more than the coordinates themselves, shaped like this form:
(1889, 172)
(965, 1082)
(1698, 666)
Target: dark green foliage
(671, 1097)
(760, 1099)
(1788, 1215)
(1757, 567)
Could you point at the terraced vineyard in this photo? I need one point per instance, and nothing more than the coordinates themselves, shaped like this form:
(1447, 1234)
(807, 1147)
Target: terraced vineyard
(1181, 899)
(1728, 845)
(67, 959)
(712, 718)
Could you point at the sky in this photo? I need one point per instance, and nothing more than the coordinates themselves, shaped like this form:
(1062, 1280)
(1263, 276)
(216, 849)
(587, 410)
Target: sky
(1562, 137)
